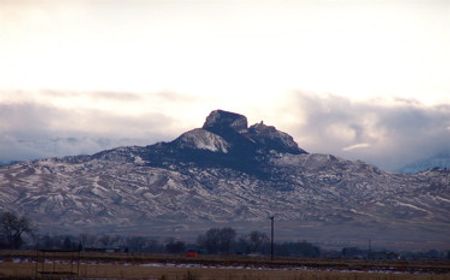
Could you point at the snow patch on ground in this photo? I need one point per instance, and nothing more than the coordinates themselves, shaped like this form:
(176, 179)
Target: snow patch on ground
(443, 199)
(411, 206)
(138, 160)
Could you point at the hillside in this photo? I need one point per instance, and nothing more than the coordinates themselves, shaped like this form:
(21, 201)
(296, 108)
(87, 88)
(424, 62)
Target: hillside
(227, 173)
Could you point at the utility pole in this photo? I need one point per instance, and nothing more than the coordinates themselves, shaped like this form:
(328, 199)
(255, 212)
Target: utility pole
(271, 236)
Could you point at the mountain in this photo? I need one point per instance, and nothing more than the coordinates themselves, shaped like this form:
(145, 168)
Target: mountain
(441, 160)
(229, 174)
(4, 162)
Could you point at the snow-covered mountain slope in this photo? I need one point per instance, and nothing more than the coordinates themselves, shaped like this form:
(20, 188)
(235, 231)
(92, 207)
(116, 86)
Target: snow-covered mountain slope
(202, 139)
(441, 160)
(226, 173)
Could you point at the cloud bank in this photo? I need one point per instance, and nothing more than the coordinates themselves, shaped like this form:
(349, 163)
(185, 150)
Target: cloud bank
(32, 130)
(388, 134)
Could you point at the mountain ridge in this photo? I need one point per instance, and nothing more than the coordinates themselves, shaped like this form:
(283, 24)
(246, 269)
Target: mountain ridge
(440, 160)
(228, 173)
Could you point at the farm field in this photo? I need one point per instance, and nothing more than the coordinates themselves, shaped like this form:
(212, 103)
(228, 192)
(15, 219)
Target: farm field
(113, 271)
(21, 265)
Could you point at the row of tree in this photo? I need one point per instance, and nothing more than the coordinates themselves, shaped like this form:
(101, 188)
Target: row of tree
(225, 240)
(15, 230)
(214, 241)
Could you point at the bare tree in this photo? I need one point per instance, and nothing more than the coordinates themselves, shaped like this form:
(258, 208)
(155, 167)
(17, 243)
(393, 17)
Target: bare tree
(12, 228)
(257, 240)
(227, 238)
(174, 246)
(217, 240)
(87, 240)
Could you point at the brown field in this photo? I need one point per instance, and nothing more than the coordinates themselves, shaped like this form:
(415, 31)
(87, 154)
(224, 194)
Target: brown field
(122, 266)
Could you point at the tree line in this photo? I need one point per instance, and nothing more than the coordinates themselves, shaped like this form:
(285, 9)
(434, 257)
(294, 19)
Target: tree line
(215, 241)
(17, 232)
(14, 230)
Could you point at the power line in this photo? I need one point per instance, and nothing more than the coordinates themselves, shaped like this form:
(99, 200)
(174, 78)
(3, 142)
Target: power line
(271, 236)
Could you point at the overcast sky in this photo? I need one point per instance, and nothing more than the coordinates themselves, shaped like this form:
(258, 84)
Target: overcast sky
(361, 79)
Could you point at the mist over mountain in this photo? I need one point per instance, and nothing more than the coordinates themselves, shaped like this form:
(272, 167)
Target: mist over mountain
(229, 173)
(441, 160)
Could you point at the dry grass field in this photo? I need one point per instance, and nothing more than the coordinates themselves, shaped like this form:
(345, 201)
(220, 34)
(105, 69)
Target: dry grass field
(18, 265)
(120, 271)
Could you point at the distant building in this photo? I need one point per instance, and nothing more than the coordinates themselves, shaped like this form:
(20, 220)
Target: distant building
(191, 253)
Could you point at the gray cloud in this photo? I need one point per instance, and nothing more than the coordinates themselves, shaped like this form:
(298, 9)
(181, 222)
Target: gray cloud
(386, 135)
(95, 95)
(174, 96)
(30, 130)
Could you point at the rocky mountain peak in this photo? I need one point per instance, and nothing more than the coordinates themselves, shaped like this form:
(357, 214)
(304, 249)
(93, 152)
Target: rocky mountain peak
(220, 120)
(271, 138)
(263, 128)
(234, 129)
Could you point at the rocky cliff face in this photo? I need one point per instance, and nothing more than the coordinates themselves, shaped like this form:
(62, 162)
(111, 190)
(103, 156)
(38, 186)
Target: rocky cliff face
(227, 173)
(220, 122)
(257, 138)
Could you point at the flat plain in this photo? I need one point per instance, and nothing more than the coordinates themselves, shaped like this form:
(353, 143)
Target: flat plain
(22, 265)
